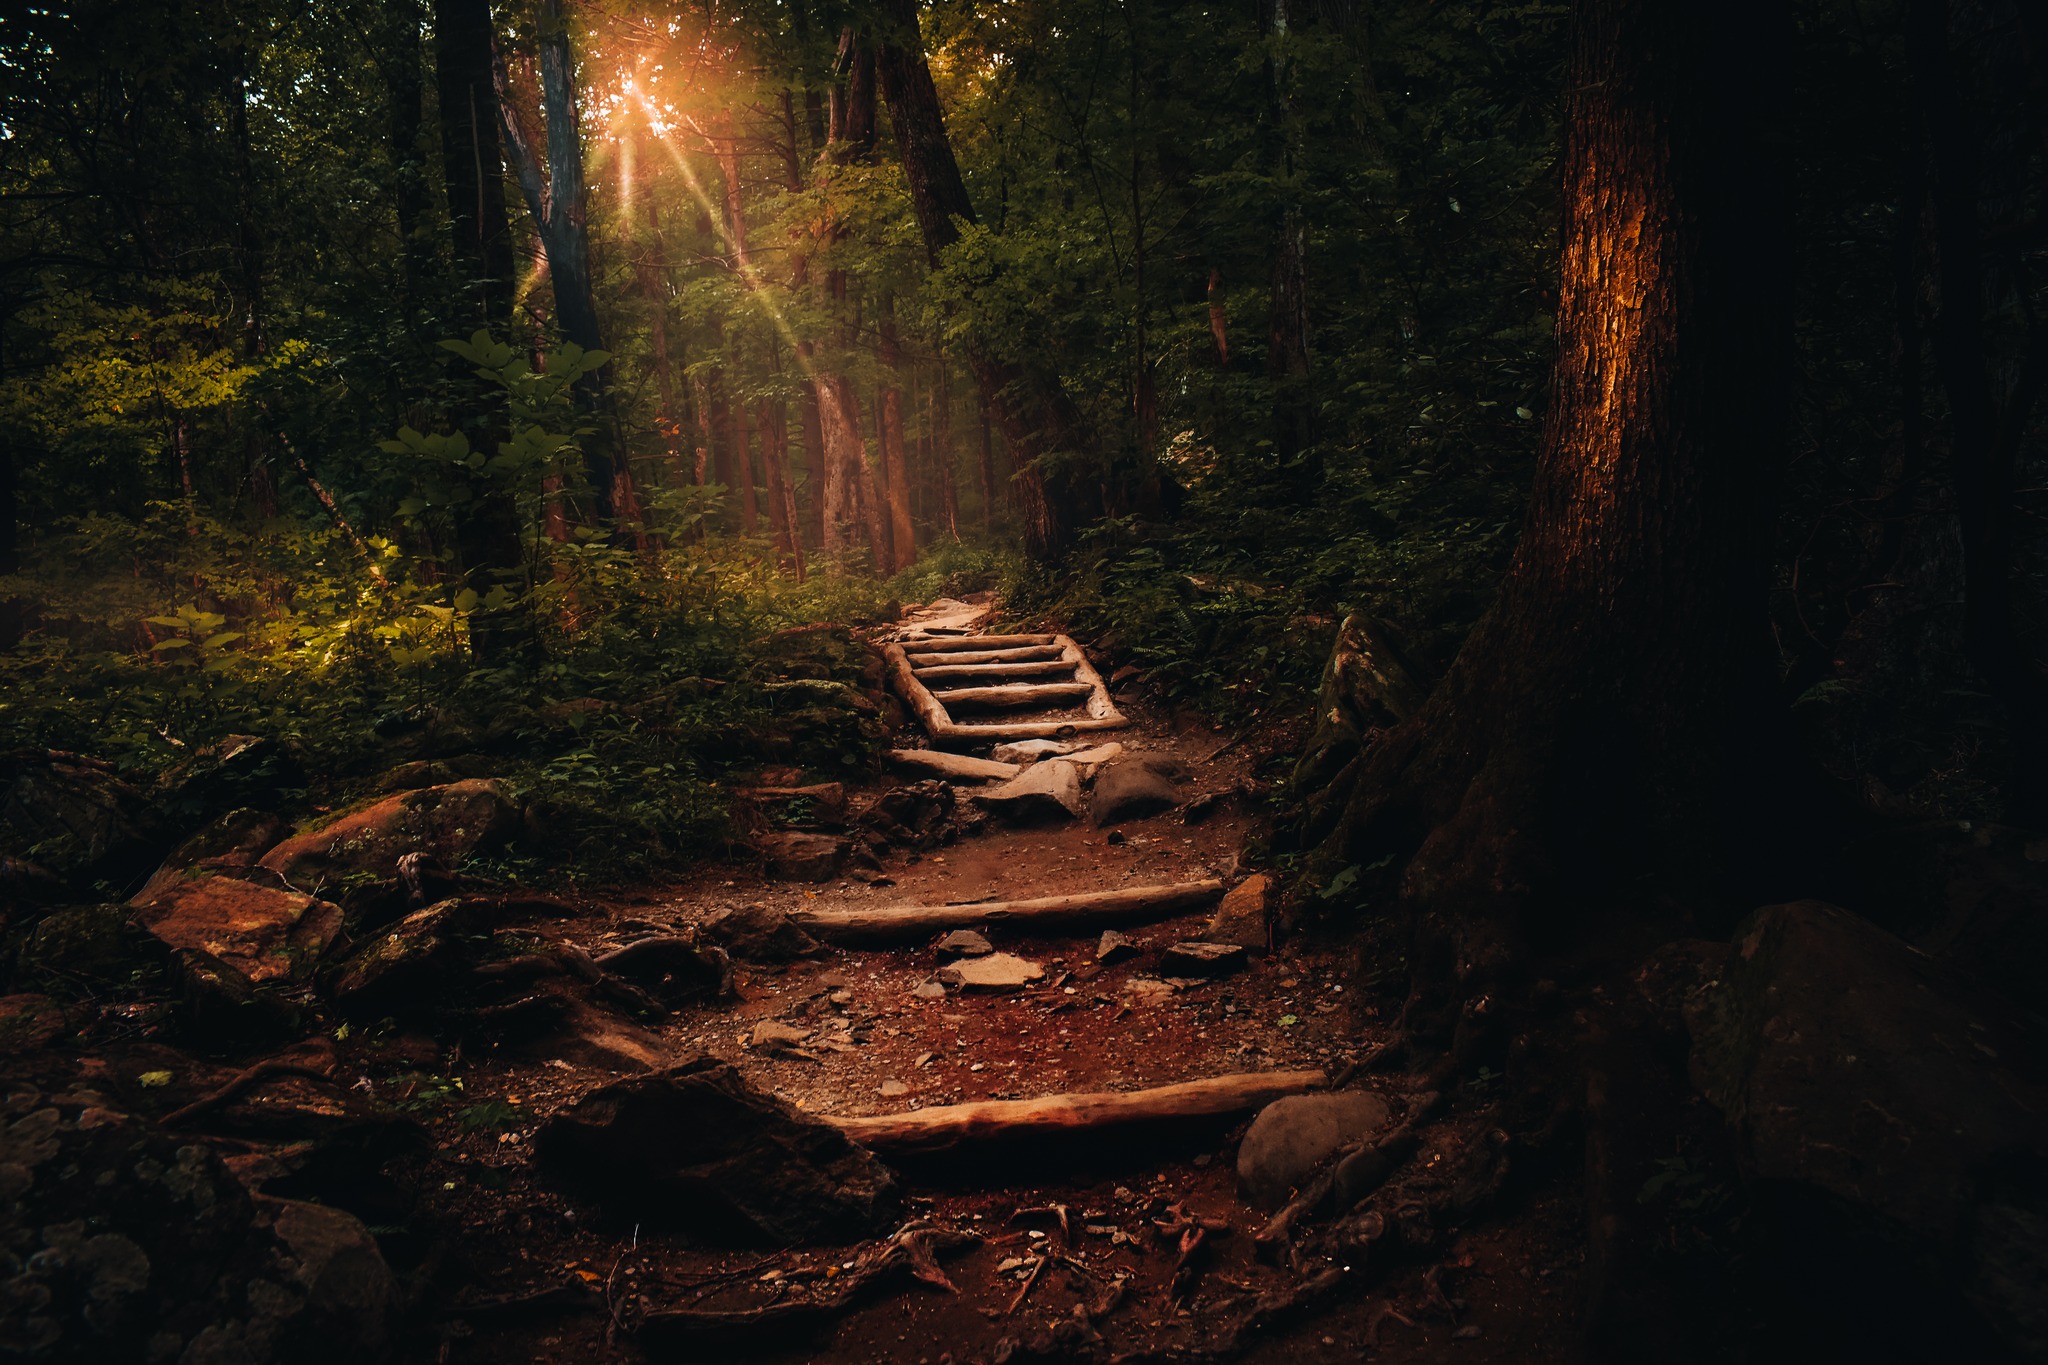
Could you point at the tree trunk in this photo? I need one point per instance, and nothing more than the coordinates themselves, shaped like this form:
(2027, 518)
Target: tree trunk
(1287, 365)
(1046, 431)
(558, 210)
(845, 463)
(472, 158)
(404, 88)
(985, 464)
(1984, 442)
(1597, 745)
(774, 423)
(650, 269)
(895, 462)
(743, 462)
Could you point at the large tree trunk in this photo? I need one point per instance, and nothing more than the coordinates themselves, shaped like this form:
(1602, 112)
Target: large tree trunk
(1046, 431)
(480, 232)
(472, 157)
(1595, 746)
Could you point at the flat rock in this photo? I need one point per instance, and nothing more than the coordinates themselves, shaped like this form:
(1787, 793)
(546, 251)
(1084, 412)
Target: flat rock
(1089, 761)
(930, 990)
(697, 1148)
(1196, 958)
(775, 1033)
(264, 933)
(795, 857)
(357, 855)
(996, 972)
(1031, 750)
(965, 943)
(1048, 791)
(404, 966)
(1131, 789)
(597, 1038)
(952, 767)
(1115, 947)
(1245, 915)
(1291, 1137)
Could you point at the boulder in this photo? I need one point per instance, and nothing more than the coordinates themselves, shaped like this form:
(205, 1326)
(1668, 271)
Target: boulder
(795, 857)
(1132, 788)
(238, 771)
(220, 1004)
(1048, 791)
(351, 1296)
(996, 972)
(266, 934)
(672, 967)
(1291, 1137)
(1115, 947)
(756, 933)
(357, 856)
(917, 816)
(1886, 1102)
(1195, 958)
(697, 1148)
(122, 1243)
(76, 818)
(230, 843)
(584, 1035)
(406, 965)
(964, 943)
(1245, 915)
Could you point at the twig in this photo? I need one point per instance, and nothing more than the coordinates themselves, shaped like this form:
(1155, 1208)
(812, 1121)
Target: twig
(1029, 1280)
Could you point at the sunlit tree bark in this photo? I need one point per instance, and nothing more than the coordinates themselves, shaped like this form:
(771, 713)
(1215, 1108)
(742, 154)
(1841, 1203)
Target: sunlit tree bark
(1601, 742)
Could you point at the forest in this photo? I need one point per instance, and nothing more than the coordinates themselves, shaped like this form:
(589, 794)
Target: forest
(1023, 680)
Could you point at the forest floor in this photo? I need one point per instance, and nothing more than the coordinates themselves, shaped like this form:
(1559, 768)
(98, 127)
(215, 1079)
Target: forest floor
(549, 1278)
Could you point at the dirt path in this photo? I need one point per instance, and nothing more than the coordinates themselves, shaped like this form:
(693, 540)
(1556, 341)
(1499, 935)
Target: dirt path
(1069, 1236)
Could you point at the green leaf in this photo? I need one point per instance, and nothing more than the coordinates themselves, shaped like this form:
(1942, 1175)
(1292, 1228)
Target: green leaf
(161, 645)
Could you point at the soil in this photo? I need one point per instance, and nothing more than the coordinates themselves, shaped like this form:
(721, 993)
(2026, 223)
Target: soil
(545, 1278)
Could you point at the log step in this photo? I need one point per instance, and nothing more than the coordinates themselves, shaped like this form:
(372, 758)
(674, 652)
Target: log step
(924, 663)
(952, 767)
(1022, 694)
(974, 642)
(1050, 668)
(947, 1126)
(894, 923)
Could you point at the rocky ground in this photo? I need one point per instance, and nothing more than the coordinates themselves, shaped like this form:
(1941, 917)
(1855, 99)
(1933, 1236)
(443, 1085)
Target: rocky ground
(323, 1095)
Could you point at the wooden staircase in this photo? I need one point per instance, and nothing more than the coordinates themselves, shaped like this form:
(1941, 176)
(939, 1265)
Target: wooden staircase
(1045, 682)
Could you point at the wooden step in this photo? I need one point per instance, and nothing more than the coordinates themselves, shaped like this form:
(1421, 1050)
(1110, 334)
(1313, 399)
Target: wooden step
(947, 1126)
(1082, 909)
(1049, 668)
(960, 642)
(1046, 668)
(1016, 696)
(924, 663)
(938, 721)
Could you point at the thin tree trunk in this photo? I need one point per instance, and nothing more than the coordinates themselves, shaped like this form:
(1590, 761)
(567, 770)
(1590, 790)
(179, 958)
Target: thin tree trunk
(1218, 324)
(750, 515)
(1044, 428)
(774, 423)
(650, 269)
(1287, 363)
(559, 214)
(895, 466)
(985, 464)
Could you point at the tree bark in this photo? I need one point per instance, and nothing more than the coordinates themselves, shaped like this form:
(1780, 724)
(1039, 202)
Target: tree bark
(558, 208)
(1046, 431)
(1600, 741)
(1984, 441)
(650, 270)
(895, 462)
(472, 158)
(773, 421)
(743, 462)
